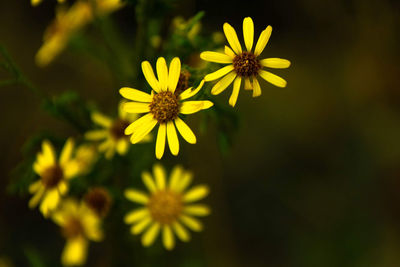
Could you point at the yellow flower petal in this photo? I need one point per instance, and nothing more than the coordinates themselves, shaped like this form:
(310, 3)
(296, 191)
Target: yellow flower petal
(135, 95)
(181, 232)
(101, 120)
(232, 38)
(272, 78)
(247, 84)
(215, 57)
(141, 225)
(162, 73)
(96, 135)
(222, 84)
(150, 235)
(175, 177)
(66, 152)
(219, 73)
(229, 52)
(190, 92)
(256, 87)
(62, 187)
(248, 33)
(185, 181)
(150, 77)
(192, 223)
(136, 196)
(235, 91)
(160, 176)
(34, 201)
(136, 107)
(174, 73)
(196, 193)
(185, 131)
(33, 187)
(160, 142)
(172, 138)
(71, 169)
(75, 252)
(49, 152)
(190, 107)
(122, 146)
(143, 130)
(276, 63)
(134, 126)
(168, 237)
(148, 181)
(136, 215)
(262, 40)
(50, 202)
(197, 210)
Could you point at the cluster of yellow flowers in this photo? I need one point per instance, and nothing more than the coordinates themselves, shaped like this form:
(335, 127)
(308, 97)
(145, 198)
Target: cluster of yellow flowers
(168, 208)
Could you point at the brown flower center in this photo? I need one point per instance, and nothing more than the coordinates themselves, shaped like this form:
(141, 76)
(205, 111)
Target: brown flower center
(117, 130)
(183, 82)
(165, 106)
(165, 206)
(52, 176)
(246, 64)
(72, 228)
(99, 200)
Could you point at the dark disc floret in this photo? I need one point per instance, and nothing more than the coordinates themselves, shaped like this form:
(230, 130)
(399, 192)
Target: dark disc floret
(246, 64)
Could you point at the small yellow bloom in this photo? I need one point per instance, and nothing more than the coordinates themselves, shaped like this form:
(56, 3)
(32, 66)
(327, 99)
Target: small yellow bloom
(244, 65)
(112, 134)
(54, 176)
(168, 207)
(163, 107)
(79, 225)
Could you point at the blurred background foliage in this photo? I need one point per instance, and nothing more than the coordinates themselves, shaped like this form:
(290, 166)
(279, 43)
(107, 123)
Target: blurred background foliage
(308, 175)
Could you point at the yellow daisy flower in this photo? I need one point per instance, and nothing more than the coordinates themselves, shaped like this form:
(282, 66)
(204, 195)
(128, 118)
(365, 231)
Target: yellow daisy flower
(167, 207)
(79, 225)
(54, 176)
(112, 134)
(163, 107)
(244, 65)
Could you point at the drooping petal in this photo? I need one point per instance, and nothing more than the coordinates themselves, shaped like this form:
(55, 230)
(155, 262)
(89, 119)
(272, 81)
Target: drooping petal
(272, 78)
(181, 232)
(174, 73)
(185, 131)
(136, 196)
(235, 91)
(215, 57)
(172, 138)
(150, 235)
(196, 193)
(168, 237)
(218, 74)
(160, 142)
(232, 38)
(134, 126)
(190, 92)
(248, 33)
(190, 107)
(262, 40)
(75, 252)
(192, 223)
(66, 152)
(144, 130)
(101, 120)
(197, 210)
(162, 73)
(160, 176)
(222, 84)
(135, 95)
(256, 87)
(148, 181)
(141, 225)
(276, 63)
(136, 215)
(150, 77)
(136, 107)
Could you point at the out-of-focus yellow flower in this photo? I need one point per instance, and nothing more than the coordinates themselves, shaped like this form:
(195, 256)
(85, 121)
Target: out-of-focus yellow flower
(68, 22)
(79, 225)
(85, 156)
(98, 199)
(37, 2)
(54, 176)
(112, 135)
(162, 107)
(244, 65)
(167, 207)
